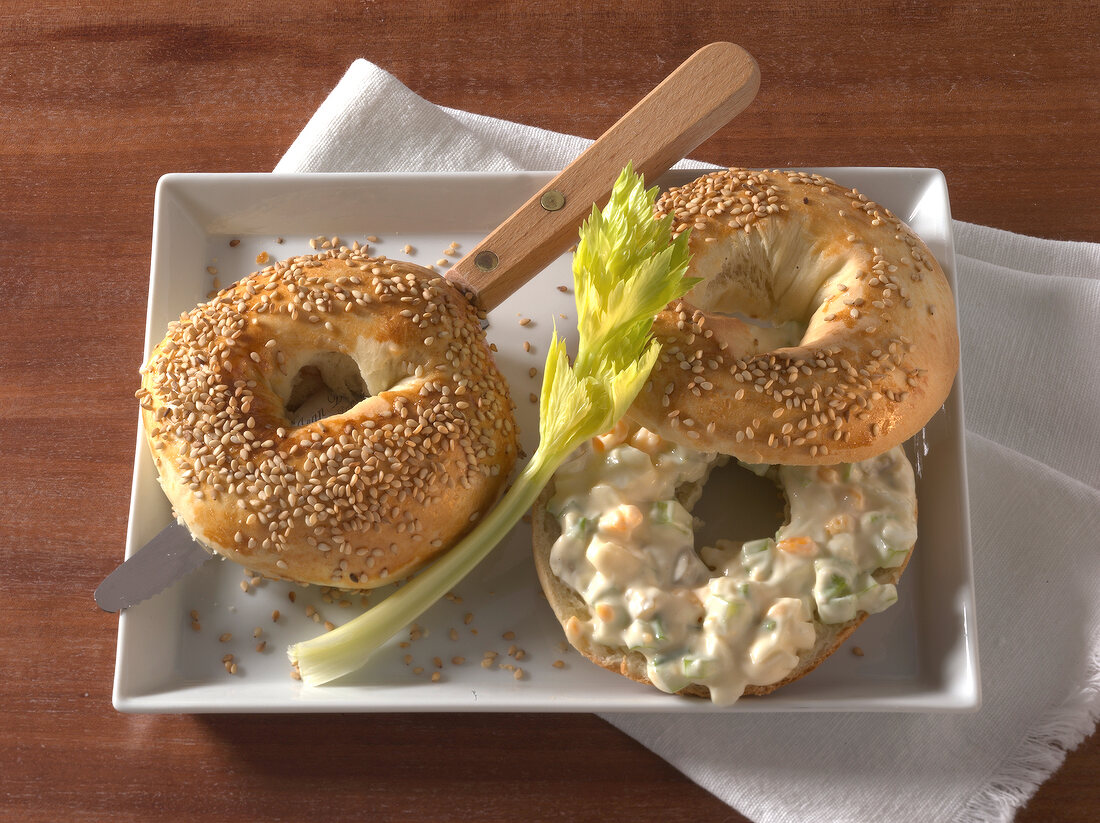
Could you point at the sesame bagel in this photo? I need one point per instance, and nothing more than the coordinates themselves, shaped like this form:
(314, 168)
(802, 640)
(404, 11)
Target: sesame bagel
(822, 330)
(356, 499)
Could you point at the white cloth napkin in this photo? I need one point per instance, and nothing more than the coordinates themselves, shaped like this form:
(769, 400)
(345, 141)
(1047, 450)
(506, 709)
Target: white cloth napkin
(1030, 318)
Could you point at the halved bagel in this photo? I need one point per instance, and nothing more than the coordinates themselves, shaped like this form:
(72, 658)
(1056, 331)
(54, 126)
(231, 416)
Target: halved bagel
(823, 330)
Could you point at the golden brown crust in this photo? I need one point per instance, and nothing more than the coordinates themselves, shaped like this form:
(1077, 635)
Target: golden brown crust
(880, 348)
(357, 499)
(568, 607)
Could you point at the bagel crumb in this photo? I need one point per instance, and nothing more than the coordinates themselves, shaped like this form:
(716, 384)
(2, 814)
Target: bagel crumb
(194, 614)
(196, 626)
(262, 258)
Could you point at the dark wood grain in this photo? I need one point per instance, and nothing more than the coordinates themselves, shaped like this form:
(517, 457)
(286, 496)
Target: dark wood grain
(96, 105)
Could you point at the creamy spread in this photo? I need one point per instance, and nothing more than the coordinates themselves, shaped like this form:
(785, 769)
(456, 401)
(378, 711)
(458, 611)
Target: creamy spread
(734, 614)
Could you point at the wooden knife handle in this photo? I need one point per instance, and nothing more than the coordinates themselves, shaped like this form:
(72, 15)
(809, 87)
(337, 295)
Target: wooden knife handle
(698, 98)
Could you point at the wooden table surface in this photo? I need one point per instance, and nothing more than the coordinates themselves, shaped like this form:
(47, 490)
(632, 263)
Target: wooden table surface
(96, 105)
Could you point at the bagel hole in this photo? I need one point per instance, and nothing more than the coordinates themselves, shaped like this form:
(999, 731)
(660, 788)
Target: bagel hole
(329, 384)
(773, 279)
(738, 505)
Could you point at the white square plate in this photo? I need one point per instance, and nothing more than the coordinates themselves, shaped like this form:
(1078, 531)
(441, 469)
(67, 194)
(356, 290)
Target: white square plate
(920, 655)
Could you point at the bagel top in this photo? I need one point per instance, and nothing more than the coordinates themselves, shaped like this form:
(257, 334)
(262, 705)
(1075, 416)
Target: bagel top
(822, 331)
(356, 499)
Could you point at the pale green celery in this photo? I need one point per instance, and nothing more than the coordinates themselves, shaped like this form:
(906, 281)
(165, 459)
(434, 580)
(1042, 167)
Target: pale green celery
(625, 270)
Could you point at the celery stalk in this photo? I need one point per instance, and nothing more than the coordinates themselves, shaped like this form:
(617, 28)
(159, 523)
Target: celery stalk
(625, 270)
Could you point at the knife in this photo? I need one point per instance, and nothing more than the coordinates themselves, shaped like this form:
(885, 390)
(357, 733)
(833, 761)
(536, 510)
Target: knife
(703, 94)
(156, 565)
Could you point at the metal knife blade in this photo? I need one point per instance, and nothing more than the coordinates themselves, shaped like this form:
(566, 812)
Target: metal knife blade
(155, 566)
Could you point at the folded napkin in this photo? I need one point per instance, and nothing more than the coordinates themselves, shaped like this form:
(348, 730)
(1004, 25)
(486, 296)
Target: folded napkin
(1030, 319)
